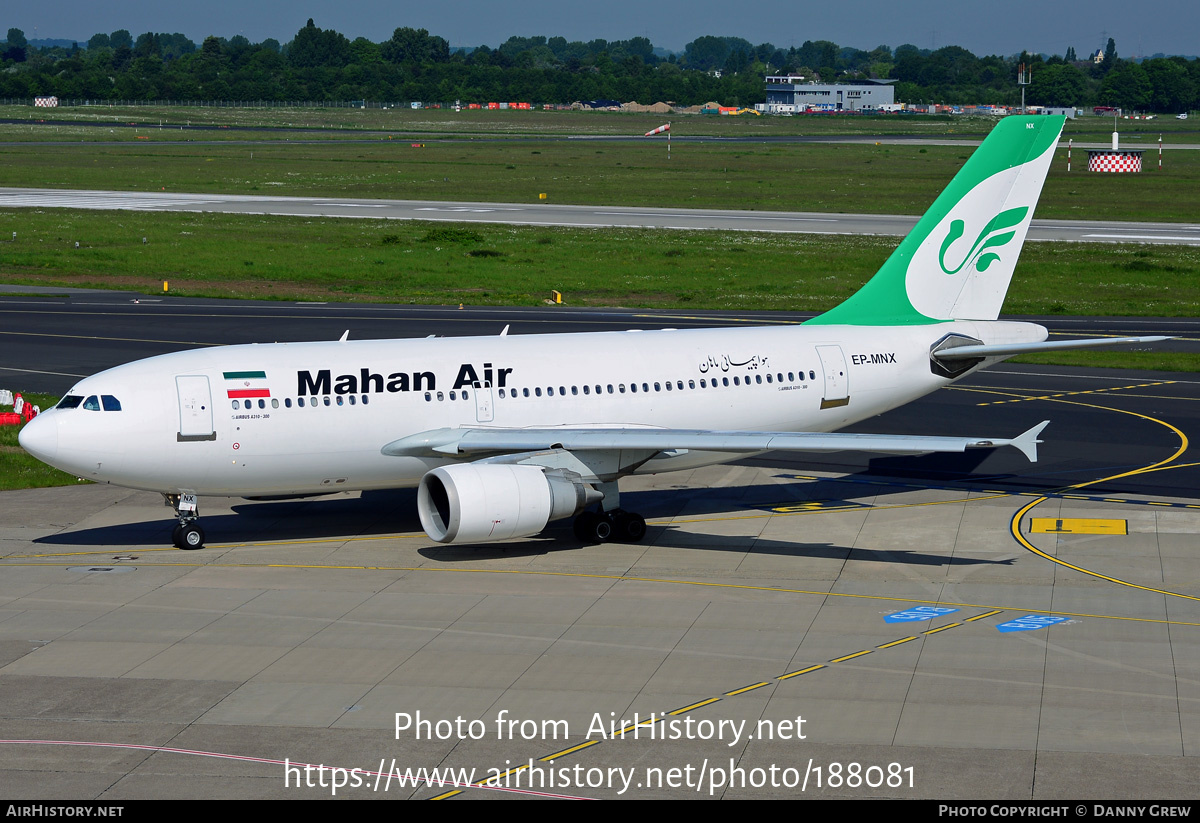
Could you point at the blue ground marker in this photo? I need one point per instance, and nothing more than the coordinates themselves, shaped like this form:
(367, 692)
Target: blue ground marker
(1030, 622)
(917, 614)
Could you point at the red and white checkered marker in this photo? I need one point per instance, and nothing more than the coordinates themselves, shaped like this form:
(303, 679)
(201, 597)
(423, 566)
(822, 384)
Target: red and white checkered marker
(659, 130)
(1108, 161)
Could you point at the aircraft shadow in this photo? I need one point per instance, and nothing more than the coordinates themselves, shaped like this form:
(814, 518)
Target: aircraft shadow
(371, 513)
(831, 494)
(394, 511)
(662, 537)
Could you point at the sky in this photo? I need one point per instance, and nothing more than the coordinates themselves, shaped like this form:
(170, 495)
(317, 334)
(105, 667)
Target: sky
(1005, 28)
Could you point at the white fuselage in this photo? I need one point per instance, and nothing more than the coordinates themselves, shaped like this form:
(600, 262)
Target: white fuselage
(304, 418)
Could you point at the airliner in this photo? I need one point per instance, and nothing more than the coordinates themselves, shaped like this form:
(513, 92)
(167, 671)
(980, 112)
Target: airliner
(504, 434)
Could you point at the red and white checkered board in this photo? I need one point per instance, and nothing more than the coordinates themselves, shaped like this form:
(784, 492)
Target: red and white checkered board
(1119, 162)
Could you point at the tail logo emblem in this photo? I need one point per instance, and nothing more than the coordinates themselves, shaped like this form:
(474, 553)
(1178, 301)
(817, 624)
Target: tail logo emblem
(996, 233)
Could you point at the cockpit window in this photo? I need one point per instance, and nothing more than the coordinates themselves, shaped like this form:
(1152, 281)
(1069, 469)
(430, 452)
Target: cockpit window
(71, 401)
(92, 404)
(110, 403)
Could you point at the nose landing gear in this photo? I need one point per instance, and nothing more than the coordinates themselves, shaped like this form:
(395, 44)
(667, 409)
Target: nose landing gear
(187, 534)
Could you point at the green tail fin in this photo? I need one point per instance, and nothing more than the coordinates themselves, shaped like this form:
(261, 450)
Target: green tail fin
(957, 261)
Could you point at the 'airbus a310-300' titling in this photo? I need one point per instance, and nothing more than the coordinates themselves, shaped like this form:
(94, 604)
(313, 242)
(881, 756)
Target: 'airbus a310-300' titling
(502, 435)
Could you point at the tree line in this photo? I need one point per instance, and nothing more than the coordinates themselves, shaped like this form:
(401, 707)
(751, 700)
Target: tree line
(323, 64)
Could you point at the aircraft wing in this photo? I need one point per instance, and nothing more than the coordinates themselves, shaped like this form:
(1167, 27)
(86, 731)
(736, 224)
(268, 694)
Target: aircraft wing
(467, 442)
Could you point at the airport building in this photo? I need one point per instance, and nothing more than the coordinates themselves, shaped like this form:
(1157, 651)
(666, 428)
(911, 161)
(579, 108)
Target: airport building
(790, 93)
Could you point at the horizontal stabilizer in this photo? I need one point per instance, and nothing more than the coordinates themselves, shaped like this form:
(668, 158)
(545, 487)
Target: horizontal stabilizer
(1011, 349)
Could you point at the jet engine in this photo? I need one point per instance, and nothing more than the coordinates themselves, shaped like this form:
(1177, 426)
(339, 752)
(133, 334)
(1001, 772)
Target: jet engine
(482, 502)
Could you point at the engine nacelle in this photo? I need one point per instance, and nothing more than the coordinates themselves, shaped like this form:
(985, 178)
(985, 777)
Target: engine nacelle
(483, 502)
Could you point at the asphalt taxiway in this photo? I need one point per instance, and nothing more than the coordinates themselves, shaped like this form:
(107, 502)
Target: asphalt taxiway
(945, 627)
(549, 214)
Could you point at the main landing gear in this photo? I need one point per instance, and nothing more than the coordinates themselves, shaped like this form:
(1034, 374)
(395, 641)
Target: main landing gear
(611, 522)
(603, 527)
(187, 534)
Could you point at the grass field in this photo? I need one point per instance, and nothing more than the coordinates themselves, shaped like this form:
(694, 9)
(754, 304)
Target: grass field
(406, 262)
(777, 177)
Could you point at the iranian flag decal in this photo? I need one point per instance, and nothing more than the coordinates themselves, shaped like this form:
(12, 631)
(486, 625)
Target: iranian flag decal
(241, 384)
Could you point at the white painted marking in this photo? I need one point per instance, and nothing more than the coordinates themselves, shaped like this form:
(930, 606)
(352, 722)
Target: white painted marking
(716, 216)
(40, 371)
(1185, 238)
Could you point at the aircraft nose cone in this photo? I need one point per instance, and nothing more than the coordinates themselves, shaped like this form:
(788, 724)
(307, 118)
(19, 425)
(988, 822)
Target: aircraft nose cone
(39, 437)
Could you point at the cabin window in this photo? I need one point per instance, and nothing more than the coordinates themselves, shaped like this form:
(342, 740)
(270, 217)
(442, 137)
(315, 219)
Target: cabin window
(352, 399)
(645, 387)
(812, 375)
(769, 378)
(657, 387)
(453, 395)
(725, 381)
(327, 403)
(587, 389)
(758, 379)
(366, 400)
(633, 387)
(599, 389)
(71, 401)
(691, 384)
(736, 381)
(340, 400)
(574, 390)
(465, 395)
(668, 385)
(525, 392)
(538, 391)
(236, 405)
(703, 385)
(92, 404)
(428, 397)
(262, 404)
(440, 397)
(549, 391)
(274, 402)
(562, 390)
(287, 402)
(621, 388)
(610, 388)
(502, 393)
